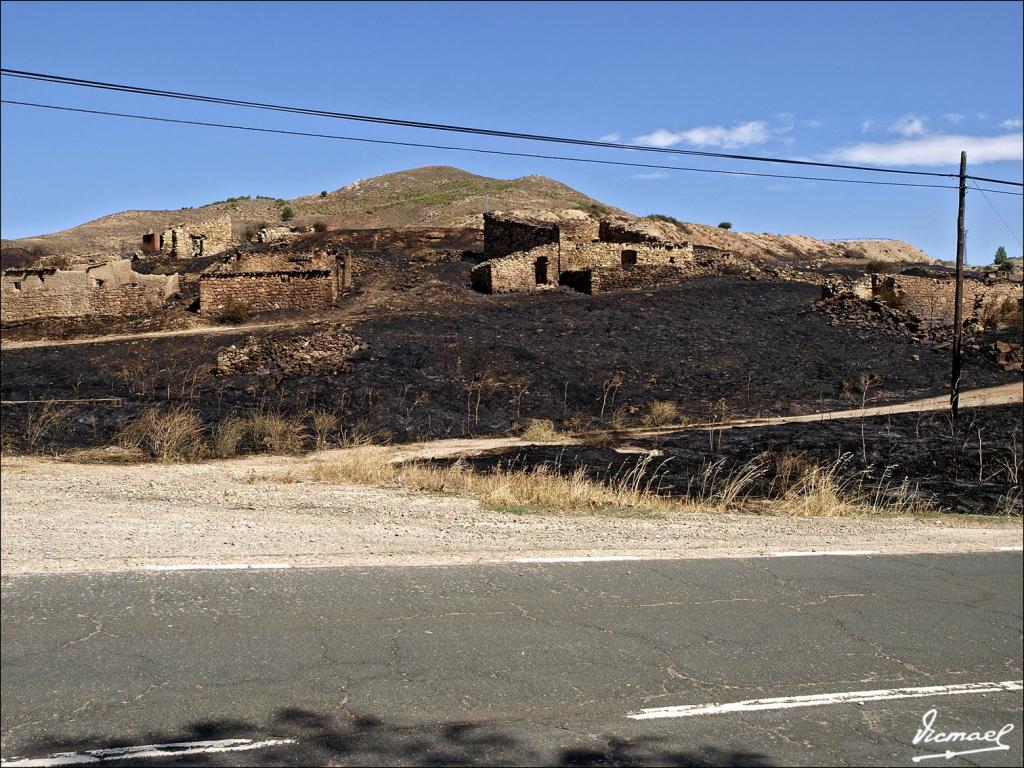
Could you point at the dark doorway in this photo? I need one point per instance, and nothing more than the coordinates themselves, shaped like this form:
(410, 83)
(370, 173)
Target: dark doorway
(149, 242)
(540, 270)
(628, 259)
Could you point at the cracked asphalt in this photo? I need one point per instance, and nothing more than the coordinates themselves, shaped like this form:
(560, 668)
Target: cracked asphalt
(515, 664)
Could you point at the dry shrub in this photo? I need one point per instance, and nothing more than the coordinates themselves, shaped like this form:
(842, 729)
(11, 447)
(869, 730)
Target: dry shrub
(43, 428)
(228, 436)
(324, 423)
(235, 312)
(172, 435)
(276, 433)
(1007, 313)
(540, 431)
(661, 412)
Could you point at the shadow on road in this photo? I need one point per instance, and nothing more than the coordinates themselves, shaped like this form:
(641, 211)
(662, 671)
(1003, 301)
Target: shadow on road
(324, 740)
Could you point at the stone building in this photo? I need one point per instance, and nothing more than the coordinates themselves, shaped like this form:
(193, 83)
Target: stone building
(109, 288)
(590, 256)
(188, 241)
(265, 282)
(932, 295)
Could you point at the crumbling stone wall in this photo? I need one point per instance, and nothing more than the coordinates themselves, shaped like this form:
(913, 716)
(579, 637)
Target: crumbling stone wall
(503, 236)
(220, 292)
(101, 290)
(187, 241)
(933, 298)
(604, 279)
(525, 255)
(518, 271)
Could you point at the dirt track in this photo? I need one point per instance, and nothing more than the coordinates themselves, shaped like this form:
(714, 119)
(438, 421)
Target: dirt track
(1004, 394)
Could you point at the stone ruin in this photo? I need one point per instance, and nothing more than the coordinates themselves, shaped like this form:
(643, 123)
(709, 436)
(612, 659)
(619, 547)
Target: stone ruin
(524, 254)
(931, 296)
(272, 281)
(103, 289)
(190, 241)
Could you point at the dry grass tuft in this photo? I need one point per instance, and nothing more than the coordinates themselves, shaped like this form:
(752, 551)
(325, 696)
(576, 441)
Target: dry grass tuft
(276, 433)
(538, 488)
(660, 413)
(324, 423)
(541, 431)
(172, 435)
(228, 436)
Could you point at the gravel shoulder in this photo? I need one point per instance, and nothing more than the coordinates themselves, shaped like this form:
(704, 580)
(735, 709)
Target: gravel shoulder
(63, 517)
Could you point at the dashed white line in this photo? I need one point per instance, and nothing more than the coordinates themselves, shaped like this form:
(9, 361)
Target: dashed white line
(826, 553)
(110, 754)
(218, 567)
(821, 699)
(583, 559)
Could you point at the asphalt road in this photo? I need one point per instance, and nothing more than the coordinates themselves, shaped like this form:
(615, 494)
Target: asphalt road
(516, 663)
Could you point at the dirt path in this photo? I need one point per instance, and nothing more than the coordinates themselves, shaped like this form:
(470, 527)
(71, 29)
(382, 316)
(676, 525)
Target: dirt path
(204, 331)
(77, 517)
(438, 449)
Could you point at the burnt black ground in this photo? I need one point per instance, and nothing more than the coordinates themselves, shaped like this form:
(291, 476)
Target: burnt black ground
(719, 345)
(946, 468)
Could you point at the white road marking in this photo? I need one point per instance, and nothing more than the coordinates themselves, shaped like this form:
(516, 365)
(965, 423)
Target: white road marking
(594, 559)
(217, 567)
(826, 553)
(99, 756)
(820, 699)
(1011, 549)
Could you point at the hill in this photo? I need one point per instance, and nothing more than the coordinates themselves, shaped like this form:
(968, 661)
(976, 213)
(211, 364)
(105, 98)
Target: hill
(436, 197)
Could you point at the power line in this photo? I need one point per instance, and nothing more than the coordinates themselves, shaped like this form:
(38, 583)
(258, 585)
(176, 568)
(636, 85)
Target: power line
(141, 90)
(483, 151)
(996, 212)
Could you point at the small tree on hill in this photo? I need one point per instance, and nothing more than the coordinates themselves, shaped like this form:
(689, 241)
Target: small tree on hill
(1001, 259)
(287, 213)
(725, 225)
(324, 193)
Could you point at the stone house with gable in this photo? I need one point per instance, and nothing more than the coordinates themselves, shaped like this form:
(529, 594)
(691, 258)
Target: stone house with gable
(190, 241)
(273, 281)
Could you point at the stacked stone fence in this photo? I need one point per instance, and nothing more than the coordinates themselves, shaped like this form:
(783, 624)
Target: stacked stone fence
(265, 291)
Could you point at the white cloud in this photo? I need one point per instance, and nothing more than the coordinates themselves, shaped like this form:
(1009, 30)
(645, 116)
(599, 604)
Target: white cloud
(609, 137)
(740, 135)
(867, 125)
(937, 149)
(812, 123)
(650, 176)
(1012, 123)
(953, 117)
(909, 125)
(981, 115)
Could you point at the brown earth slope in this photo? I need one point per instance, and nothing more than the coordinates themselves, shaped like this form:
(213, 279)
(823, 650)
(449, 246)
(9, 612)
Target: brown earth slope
(435, 197)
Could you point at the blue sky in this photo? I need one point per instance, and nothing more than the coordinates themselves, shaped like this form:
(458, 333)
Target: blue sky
(873, 83)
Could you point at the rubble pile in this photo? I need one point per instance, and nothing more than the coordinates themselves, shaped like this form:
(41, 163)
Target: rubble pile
(325, 352)
(869, 317)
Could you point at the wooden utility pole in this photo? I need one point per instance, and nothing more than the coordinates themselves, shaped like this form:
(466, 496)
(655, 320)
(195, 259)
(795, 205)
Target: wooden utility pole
(961, 236)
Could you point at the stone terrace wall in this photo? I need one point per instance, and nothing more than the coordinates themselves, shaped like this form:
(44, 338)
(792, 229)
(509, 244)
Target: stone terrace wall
(604, 279)
(101, 290)
(263, 291)
(933, 298)
(505, 236)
